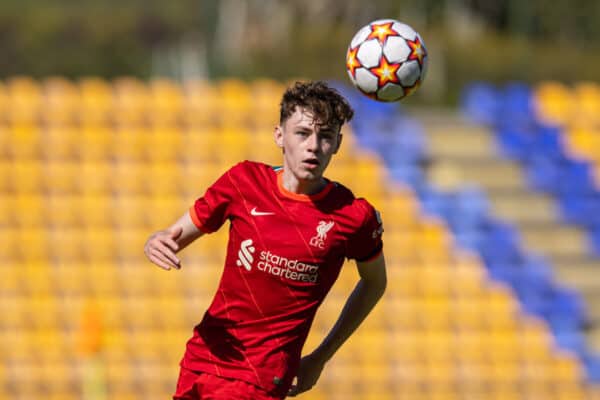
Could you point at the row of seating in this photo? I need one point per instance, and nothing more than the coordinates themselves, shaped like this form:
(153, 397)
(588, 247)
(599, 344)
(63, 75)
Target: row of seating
(131, 102)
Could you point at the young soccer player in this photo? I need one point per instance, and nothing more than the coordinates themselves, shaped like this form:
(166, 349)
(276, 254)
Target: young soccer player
(290, 231)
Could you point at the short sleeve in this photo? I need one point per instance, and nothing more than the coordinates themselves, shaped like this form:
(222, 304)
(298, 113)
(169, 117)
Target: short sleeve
(210, 211)
(367, 243)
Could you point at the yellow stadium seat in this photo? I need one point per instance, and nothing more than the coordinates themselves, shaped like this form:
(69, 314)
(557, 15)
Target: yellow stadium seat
(199, 145)
(6, 172)
(554, 103)
(469, 275)
(129, 144)
(30, 210)
(27, 176)
(534, 339)
(60, 143)
(66, 245)
(587, 103)
(99, 244)
(503, 346)
(201, 104)
(130, 105)
(433, 241)
(37, 281)
(235, 100)
(60, 177)
(266, 95)
(103, 280)
(237, 142)
(24, 100)
(162, 179)
(94, 178)
(470, 345)
(128, 178)
(567, 369)
(166, 102)
(61, 101)
(434, 281)
(96, 96)
(24, 141)
(31, 244)
(400, 211)
(401, 247)
(129, 243)
(96, 143)
(60, 210)
(582, 142)
(95, 211)
(164, 145)
(434, 314)
(166, 210)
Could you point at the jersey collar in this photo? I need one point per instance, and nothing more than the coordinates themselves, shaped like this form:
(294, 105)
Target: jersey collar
(298, 196)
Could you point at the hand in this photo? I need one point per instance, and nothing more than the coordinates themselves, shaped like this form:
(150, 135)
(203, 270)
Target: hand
(160, 248)
(308, 374)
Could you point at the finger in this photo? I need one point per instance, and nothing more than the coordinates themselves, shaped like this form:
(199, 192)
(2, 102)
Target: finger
(166, 251)
(171, 243)
(157, 261)
(160, 256)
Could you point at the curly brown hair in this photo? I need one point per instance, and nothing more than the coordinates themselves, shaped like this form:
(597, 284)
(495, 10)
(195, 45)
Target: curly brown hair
(327, 105)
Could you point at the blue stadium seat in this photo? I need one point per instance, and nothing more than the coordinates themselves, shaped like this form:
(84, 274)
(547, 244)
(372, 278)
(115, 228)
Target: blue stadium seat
(480, 103)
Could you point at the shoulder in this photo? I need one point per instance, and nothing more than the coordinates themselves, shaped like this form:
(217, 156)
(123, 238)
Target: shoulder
(358, 207)
(248, 168)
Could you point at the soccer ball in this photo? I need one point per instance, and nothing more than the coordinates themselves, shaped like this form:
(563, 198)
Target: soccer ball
(386, 60)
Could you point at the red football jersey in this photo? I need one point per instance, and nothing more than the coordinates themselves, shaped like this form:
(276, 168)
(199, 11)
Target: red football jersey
(284, 253)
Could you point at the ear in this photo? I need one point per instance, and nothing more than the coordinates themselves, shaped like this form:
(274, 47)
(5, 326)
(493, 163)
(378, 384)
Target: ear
(339, 143)
(278, 136)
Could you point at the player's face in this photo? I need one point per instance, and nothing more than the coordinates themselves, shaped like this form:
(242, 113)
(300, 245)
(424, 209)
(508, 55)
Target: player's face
(307, 145)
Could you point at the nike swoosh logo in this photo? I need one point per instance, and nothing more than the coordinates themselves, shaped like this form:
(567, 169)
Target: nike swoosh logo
(259, 213)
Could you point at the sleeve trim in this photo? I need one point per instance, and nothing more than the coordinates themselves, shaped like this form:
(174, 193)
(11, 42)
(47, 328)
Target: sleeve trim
(373, 255)
(196, 220)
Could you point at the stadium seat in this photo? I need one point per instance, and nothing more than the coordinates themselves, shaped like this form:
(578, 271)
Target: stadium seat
(201, 104)
(95, 143)
(164, 145)
(166, 102)
(60, 177)
(26, 176)
(60, 143)
(96, 96)
(24, 141)
(130, 107)
(554, 103)
(60, 101)
(24, 100)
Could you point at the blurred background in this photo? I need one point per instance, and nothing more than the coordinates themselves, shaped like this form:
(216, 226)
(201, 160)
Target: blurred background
(115, 117)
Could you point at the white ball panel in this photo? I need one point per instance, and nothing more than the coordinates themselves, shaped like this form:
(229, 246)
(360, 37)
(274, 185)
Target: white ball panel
(390, 92)
(360, 36)
(382, 21)
(404, 30)
(369, 53)
(366, 81)
(408, 73)
(395, 49)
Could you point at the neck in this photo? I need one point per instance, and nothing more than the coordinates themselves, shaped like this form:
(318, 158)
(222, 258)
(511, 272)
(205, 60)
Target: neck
(301, 186)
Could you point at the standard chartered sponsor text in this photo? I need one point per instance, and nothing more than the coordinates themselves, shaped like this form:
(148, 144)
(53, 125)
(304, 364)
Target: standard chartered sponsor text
(289, 269)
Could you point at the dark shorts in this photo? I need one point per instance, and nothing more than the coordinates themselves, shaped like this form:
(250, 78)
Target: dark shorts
(201, 386)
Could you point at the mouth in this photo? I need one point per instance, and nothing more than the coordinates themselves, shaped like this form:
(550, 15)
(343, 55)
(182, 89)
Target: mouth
(311, 163)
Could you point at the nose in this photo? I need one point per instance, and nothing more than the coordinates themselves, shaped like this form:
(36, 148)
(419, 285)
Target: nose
(312, 143)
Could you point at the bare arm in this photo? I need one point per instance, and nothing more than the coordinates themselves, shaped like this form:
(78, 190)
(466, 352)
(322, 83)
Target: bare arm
(162, 246)
(365, 295)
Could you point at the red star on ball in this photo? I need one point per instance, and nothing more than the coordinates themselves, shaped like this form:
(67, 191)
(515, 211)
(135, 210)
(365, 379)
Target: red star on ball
(382, 31)
(352, 62)
(385, 72)
(417, 50)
